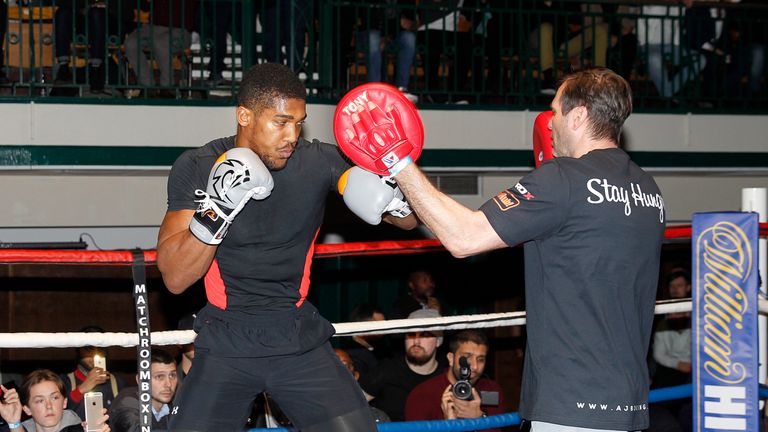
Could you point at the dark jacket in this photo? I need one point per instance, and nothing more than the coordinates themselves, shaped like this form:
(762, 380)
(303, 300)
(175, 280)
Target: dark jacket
(124, 413)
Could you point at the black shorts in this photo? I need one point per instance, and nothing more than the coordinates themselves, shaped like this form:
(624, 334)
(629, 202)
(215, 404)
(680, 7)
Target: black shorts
(306, 378)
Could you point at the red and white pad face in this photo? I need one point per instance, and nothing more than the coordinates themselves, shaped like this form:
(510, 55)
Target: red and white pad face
(376, 126)
(542, 138)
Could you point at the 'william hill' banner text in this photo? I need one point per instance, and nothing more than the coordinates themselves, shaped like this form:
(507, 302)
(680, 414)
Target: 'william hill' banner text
(725, 322)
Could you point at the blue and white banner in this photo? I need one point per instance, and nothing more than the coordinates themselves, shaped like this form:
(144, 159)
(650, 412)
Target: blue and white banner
(724, 325)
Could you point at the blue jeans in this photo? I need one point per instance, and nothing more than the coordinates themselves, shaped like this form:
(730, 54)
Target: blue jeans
(406, 52)
(691, 66)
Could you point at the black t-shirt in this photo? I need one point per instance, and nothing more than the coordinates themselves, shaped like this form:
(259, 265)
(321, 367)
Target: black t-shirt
(263, 263)
(593, 228)
(390, 383)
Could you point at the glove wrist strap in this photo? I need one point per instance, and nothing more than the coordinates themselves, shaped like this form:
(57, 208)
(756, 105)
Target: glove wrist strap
(209, 223)
(400, 165)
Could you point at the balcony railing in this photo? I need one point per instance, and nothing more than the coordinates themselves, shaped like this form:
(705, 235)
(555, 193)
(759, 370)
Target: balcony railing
(486, 53)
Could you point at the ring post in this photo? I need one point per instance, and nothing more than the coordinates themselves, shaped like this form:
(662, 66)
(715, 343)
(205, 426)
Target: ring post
(724, 325)
(755, 200)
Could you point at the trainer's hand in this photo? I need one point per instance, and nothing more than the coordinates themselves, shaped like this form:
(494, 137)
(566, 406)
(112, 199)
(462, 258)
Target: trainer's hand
(369, 196)
(237, 176)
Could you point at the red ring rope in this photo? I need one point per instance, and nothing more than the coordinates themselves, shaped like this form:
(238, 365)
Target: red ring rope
(391, 247)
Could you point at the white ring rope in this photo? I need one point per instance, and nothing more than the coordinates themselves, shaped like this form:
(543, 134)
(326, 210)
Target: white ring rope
(181, 337)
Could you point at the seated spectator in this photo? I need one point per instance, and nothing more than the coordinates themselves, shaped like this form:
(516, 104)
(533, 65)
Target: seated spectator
(41, 396)
(91, 19)
(385, 26)
(623, 51)
(378, 415)
(87, 377)
(672, 349)
(366, 350)
(10, 409)
(124, 412)
(564, 25)
(3, 29)
(671, 61)
(163, 27)
(284, 24)
(421, 295)
(387, 386)
(446, 30)
(434, 399)
(672, 338)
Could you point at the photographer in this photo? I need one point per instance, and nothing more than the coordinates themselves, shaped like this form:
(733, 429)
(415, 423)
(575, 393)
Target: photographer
(460, 392)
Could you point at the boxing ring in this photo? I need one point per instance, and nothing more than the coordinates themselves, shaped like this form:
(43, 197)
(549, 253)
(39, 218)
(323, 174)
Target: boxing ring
(139, 259)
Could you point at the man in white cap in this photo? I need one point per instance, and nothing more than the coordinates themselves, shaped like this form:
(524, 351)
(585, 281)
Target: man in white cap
(388, 385)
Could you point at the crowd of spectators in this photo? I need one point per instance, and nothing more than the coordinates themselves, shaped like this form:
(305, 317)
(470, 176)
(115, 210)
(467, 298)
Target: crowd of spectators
(454, 51)
(414, 376)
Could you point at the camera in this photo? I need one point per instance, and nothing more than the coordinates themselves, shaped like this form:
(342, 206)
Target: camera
(462, 389)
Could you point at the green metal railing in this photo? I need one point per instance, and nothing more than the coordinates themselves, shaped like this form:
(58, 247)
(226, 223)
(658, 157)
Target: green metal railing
(505, 54)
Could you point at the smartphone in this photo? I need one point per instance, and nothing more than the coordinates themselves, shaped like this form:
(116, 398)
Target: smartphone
(94, 405)
(100, 361)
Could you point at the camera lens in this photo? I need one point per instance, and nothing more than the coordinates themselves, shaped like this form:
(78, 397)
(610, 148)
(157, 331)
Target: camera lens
(462, 390)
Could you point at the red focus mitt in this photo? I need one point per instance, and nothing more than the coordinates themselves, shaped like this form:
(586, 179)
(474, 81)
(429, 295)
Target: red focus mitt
(542, 138)
(378, 128)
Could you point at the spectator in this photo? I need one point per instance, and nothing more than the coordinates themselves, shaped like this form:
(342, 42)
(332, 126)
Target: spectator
(382, 27)
(86, 377)
(672, 348)
(163, 27)
(220, 13)
(387, 386)
(565, 25)
(91, 18)
(623, 24)
(434, 399)
(10, 409)
(670, 61)
(3, 29)
(757, 38)
(501, 32)
(743, 42)
(41, 396)
(446, 29)
(378, 415)
(366, 350)
(124, 412)
(672, 339)
(284, 24)
(421, 295)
